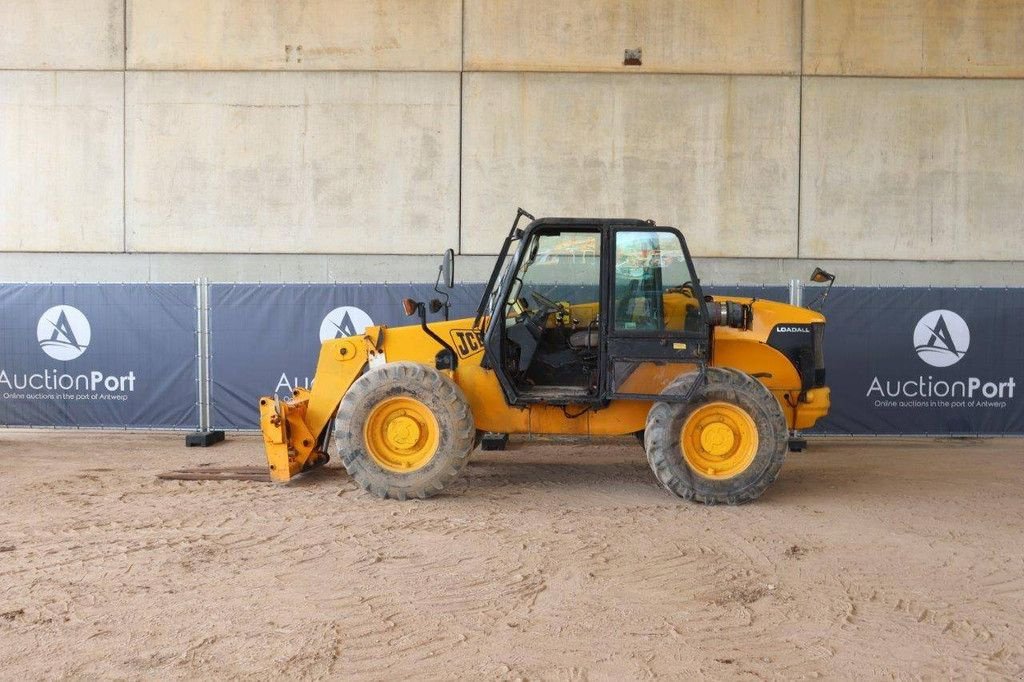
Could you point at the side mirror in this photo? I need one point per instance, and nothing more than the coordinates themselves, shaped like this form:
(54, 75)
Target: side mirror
(821, 276)
(448, 268)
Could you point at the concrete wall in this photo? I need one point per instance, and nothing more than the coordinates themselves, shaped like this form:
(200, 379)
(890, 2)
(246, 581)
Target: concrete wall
(338, 162)
(921, 38)
(341, 139)
(62, 34)
(379, 35)
(61, 156)
(691, 36)
(717, 154)
(921, 169)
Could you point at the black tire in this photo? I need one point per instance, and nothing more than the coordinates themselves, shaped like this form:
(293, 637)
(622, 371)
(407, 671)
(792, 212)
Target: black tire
(665, 422)
(447, 403)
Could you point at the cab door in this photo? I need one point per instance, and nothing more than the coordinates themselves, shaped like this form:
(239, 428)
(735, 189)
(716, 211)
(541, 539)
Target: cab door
(656, 328)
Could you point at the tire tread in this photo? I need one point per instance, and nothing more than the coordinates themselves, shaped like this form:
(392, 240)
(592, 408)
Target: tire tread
(450, 408)
(732, 385)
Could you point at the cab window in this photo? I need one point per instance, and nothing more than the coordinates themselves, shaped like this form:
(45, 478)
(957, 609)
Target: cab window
(653, 285)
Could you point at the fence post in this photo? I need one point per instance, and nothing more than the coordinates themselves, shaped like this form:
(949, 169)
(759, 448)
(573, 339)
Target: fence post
(796, 292)
(204, 437)
(200, 379)
(207, 352)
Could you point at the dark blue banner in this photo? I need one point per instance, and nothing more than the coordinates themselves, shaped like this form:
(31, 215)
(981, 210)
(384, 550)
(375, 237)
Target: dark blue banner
(899, 360)
(924, 361)
(101, 355)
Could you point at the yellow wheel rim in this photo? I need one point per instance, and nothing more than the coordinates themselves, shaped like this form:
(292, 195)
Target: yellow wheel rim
(401, 434)
(719, 440)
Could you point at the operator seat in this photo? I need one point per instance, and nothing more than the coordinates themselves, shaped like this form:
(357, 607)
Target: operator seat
(584, 338)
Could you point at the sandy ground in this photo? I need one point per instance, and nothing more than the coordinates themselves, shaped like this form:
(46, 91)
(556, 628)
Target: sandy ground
(867, 559)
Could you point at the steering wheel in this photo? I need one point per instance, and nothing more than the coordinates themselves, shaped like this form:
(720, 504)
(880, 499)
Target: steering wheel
(685, 288)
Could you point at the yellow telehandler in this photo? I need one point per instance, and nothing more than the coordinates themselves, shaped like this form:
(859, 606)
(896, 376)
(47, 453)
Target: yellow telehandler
(588, 327)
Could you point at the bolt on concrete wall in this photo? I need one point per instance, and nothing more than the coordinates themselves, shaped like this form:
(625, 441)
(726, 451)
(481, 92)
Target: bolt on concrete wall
(676, 36)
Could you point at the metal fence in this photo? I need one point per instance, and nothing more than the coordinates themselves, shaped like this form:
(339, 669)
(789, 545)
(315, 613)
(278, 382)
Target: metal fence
(196, 356)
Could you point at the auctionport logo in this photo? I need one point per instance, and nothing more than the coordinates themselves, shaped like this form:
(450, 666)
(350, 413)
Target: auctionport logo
(344, 321)
(63, 332)
(941, 338)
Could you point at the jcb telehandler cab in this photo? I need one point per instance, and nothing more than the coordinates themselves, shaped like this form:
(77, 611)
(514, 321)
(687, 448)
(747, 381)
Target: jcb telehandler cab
(591, 327)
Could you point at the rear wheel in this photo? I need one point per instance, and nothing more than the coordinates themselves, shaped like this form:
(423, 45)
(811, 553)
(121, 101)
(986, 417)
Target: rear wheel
(725, 446)
(404, 430)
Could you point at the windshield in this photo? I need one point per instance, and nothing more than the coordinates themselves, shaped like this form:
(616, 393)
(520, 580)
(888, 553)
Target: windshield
(560, 267)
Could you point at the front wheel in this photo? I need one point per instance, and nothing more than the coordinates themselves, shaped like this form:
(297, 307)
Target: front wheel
(404, 430)
(725, 446)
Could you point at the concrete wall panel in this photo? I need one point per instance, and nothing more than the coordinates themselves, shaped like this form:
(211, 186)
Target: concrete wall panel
(714, 155)
(914, 169)
(976, 38)
(292, 162)
(60, 161)
(686, 36)
(422, 35)
(186, 267)
(62, 34)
